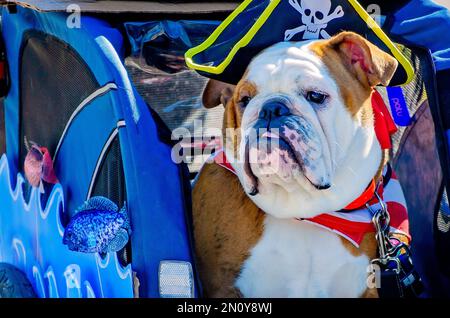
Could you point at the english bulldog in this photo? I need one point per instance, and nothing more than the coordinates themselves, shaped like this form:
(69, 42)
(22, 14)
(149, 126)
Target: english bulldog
(314, 99)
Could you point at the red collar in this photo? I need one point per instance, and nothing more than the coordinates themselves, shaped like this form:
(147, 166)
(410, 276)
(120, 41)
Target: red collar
(353, 226)
(365, 197)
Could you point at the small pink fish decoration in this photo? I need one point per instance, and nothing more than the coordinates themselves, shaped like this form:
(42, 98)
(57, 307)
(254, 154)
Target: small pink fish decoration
(38, 166)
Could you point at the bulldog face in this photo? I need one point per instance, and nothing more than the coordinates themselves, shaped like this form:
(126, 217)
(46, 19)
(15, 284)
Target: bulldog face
(305, 143)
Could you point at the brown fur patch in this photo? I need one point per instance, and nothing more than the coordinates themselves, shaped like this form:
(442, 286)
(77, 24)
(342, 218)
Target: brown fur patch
(216, 93)
(234, 111)
(355, 95)
(227, 224)
(367, 247)
(357, 67)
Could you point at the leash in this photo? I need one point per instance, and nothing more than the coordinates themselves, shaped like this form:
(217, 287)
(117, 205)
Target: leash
(397, 276)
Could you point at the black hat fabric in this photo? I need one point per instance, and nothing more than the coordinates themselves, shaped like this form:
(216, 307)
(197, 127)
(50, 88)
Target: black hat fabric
(257, 24)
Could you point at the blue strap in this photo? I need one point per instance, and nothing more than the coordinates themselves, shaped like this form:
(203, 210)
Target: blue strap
(399, 109)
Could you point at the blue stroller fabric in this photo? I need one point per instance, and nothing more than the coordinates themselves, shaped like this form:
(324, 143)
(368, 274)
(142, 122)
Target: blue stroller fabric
(160, 45)
(156, 196)
(423, 23)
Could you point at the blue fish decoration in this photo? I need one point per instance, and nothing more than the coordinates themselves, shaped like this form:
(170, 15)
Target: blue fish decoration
(98, 227)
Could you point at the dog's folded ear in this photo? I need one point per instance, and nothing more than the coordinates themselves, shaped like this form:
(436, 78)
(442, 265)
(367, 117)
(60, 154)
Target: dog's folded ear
(217, 93)
(367, 62)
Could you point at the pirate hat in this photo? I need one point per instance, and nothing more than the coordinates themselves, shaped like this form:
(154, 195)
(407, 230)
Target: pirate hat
(257, 24)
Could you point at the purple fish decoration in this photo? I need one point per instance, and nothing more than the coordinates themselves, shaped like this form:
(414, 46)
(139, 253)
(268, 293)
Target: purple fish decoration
(98, 227)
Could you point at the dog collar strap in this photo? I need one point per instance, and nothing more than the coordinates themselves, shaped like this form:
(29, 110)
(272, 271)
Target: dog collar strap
(355, 225)
(221, 159)
(364, 198)
(368, 196)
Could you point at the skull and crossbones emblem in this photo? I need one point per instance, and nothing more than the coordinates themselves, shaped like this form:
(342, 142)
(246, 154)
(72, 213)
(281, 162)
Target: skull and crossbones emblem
(315, 18)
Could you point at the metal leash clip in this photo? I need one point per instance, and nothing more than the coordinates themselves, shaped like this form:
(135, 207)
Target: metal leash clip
(381, 221)
(397, 273)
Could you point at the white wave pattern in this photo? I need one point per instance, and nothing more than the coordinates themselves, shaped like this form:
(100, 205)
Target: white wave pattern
(31, 239)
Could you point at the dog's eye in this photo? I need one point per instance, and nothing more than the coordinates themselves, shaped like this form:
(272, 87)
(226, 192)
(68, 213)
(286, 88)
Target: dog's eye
(316, 97)
(245, 100)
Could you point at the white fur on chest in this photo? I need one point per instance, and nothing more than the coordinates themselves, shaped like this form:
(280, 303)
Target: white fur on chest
(298, 259)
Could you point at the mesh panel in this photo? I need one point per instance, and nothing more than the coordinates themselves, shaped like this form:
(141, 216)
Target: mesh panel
(415, 152)
(414, 92)
(177, 99)
(442, 235)
(110, 183)
(443, 218)
(54, 81)
(417, 149)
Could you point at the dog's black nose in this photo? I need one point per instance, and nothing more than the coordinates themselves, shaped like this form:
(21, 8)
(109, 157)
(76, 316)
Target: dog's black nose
(273, 109)
(323, 187)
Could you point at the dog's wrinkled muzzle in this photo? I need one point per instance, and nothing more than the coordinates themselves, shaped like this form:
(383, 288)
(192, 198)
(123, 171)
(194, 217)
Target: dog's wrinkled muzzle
(282, 146)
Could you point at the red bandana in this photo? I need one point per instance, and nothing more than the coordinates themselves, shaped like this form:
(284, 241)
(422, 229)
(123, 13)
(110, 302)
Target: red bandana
(384, 124)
